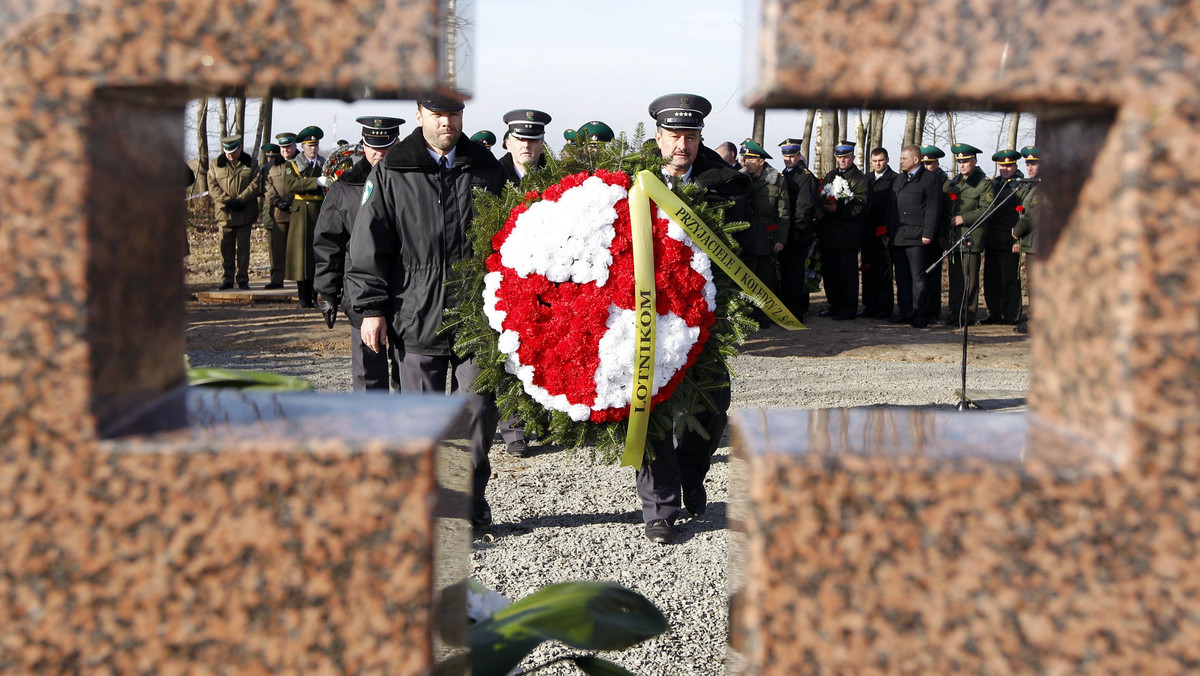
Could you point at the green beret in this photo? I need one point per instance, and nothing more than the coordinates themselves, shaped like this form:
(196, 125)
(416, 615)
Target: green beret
(964, 151)
(753, 149)
(595, 131)
(1006, 157)
(1031, 153)
(487, 138)
(310, 135)
(931, 153)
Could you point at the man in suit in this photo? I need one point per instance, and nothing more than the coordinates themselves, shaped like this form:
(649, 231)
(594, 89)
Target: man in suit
(876, 263)
(915, 217)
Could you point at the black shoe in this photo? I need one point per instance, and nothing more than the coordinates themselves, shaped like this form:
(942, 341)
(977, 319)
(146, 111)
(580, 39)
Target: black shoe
(225, 286)
(827, 312)
(696, 500)
(306, 304)
(865, 313)
(481, 516)
(518, 448)
(844, 317)
(659, 531)
(919, 323)
(243, 286)
(991, 320)
(273, 285)
(1023, 327)
(900, 319)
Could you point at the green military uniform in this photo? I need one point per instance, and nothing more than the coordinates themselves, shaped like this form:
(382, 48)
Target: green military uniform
(770, 219)
(300, 177)
(1025, 230)
(970, 198)
(485, 138)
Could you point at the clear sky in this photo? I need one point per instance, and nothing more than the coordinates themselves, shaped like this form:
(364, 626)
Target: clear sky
(599, 61)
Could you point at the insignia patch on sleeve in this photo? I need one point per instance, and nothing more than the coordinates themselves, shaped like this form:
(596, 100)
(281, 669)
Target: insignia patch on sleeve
(367, 189)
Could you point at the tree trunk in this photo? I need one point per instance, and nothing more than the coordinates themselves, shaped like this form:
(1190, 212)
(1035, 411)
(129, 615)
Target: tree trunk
(829, 133)
(1013, 127)
(910, 125)
(760, 125)
(875, 121)
(202, 146)
(451, 67)
(239, 115)
(808, 129)
(843, 124)
(263, 136)
(950, 129)
(860, 136)
(919, 130)
(223, 116)
(1001, 130)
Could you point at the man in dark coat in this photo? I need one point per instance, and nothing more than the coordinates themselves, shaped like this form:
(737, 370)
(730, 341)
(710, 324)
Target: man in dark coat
(930, 156)
(770, 218)
(914, 216)
(410, 230)
(839, 235)
(331, 241)
(1001, 265)
(803, 191)
(681, 461)
(303, 177)
(876, 263)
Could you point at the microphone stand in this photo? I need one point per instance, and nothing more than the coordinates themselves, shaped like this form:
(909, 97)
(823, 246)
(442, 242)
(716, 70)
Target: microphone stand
(960, 246)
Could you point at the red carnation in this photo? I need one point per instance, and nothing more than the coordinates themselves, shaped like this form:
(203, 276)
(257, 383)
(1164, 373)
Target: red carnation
(1020, 208)
(832, 199)
(953, 197)
(881, 231)
(531, 195)
(772, 227)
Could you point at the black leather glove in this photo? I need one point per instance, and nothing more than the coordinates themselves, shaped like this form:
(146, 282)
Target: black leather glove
(328, 305)
(283, 205)
(235, 204)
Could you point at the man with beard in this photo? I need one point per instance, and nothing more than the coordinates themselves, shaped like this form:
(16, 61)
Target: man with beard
(303, 178)
(410, 230)
(525, 141)
(839, 235)
(681, 460)
(369, 369)
(802, 195)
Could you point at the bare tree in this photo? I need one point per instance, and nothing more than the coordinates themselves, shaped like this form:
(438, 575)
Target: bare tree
(760, 125)
(202, 145)
(223, 116)
(239, 115)
(919, 130)
(875, 124)
(265, 106)
(1013, 127)
(910, 124)
(860, 138)
(808, 128)
(829, 133)
(950, 129)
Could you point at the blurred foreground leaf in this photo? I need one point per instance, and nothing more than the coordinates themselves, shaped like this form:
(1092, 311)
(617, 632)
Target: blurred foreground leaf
(246, 380)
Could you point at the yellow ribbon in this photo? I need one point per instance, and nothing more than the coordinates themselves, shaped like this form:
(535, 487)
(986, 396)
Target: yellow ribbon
(647, 186)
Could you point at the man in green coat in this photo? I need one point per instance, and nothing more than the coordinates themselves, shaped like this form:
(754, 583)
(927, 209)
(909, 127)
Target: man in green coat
(303, 178)
(771, 215)
(233, 183)
(970, 193)
(1025, 231)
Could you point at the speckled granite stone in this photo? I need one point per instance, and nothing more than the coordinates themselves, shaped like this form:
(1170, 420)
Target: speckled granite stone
(144, 529)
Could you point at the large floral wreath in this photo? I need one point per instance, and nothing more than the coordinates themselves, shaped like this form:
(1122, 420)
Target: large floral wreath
(548, 304)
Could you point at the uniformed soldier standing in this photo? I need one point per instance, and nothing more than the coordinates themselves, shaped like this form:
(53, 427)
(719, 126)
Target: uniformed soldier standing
(279, 201)
(1025, 230)
(484, 138)
(970, 194)
(803, 192)
(929, 159)
(1002, 266)
(877, 295)
(369, 369)
(770, 217)
(410, 230)
(839, 236)
(233, 183)
(681, 461)
(303, 178)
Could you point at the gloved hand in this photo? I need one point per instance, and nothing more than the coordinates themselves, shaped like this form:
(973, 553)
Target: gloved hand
(328, 305)
(235, 204)
(324, 181)
(283, 205)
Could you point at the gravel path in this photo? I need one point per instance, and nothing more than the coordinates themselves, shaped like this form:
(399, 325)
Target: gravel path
(560, 517)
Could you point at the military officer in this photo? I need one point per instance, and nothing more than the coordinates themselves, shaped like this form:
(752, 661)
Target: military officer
(877, 297)
(839, 235)
(270, 158)
(682, 459)
(279, 200)
(1025, 231)
(970, 193)
(303, 178)
(369, 369)
(930, 156)
(770, 216)
(802, 196)
(233, 183)
(486, 138)
(525, 141)
(1001, 266)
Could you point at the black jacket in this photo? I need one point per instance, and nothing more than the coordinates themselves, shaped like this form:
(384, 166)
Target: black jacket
(879, 198)
(916, 209)
(510, 169)
(722, 183)
(842, 230)
(803, 191)
(410, 230)
(999, 234)
(332, 238)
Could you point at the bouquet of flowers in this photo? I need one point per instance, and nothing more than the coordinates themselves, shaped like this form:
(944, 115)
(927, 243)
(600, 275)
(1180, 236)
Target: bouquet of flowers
(839, 190)
(549, 304)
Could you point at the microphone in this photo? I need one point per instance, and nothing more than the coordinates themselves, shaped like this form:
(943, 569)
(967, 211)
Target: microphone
(1024, 180)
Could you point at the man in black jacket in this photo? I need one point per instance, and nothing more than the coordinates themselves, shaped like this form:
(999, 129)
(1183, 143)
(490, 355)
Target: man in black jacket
(369, 369)
(681, 462)
(410, 230)
(876, 264)
(803, 192)
(839, 235)
(915, 217)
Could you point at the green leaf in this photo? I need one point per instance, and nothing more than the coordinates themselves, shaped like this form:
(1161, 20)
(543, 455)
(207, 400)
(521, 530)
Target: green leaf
(246, 380)
(584, 615)
(594, 666)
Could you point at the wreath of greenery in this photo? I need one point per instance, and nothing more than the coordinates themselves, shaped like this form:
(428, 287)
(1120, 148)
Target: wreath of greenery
(475, 337)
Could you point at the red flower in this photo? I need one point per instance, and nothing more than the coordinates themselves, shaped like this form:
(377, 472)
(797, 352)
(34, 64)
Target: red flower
(953, 197)
(881, 231)
(531, 195)
(772, 227)
(1020, 208)
(832, 199)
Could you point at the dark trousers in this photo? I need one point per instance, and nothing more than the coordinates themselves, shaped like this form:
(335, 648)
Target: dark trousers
(964, 287)
(510, 430)
(793, 289)
(235, 248)
(371, 370)
(1002, 284)
(278, 251)
(839, 267)
(876, 277)
(933, 282)
(681, 460)
(913, 290)
(421, 373)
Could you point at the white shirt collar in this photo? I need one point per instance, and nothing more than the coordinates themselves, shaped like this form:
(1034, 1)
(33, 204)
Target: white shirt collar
(686, 178)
